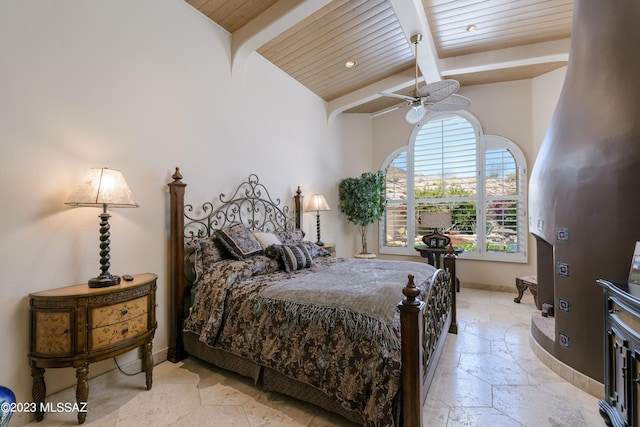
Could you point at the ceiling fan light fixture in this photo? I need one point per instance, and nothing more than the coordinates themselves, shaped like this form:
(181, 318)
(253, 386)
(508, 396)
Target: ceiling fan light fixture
(415, 114)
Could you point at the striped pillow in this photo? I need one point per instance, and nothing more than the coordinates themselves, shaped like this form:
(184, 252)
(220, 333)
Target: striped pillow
(296, 257)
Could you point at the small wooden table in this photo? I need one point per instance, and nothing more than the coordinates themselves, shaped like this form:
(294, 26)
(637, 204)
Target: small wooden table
(525, 282)
(78, 325)
(435, 257)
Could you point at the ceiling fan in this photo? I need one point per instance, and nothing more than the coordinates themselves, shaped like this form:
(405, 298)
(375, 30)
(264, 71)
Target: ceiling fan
(438, 96)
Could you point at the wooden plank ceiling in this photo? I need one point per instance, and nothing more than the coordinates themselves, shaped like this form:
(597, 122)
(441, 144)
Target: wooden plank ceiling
(315, 48)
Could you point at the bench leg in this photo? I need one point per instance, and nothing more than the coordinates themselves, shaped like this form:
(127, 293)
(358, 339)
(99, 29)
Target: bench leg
(534, 292)
(521, 287)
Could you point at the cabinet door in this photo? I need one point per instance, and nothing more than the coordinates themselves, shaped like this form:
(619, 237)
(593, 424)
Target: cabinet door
(619, 374)
(52, 332)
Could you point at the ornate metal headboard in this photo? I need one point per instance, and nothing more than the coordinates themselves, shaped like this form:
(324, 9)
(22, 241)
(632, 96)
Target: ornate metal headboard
(249, 204)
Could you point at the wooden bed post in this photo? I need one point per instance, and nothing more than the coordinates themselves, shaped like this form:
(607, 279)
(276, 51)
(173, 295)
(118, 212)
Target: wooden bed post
(176, 266)
(450, 267)
(297, 206)
(411, 325)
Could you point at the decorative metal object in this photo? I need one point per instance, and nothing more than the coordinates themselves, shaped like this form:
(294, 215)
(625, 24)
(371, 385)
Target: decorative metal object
(438, 302)
(250, 204)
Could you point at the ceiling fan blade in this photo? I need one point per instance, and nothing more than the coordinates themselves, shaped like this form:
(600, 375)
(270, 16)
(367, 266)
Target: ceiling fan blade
(395, 95)
(415, 114)
(452, 103)
(437, 91)
(397, 107)
(392, 108)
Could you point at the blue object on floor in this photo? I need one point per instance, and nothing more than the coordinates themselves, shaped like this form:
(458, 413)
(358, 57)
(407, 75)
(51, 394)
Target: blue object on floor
(7, 404)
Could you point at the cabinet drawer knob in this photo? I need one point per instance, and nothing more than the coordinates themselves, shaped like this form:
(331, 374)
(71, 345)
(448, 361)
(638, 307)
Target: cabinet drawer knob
(124, 311)
(125, 330)
(66, 331)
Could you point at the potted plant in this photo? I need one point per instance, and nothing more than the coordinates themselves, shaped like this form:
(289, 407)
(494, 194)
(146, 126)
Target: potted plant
(363, 200)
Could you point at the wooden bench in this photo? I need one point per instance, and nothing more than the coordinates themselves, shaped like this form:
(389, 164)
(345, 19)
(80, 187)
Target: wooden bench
(525, 282)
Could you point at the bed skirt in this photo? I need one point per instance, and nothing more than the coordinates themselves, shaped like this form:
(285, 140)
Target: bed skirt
(270, 379)
(221, 358)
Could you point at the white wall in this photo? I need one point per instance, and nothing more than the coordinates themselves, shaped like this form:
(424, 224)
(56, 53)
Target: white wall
(356, 154)
(546, 92)
(141, 87)
(514, 110)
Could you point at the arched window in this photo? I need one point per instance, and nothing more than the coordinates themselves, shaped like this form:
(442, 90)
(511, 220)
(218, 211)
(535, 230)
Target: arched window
(453, 177)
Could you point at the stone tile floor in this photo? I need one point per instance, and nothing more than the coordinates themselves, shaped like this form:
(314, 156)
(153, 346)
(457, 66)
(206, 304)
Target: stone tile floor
(487, 376)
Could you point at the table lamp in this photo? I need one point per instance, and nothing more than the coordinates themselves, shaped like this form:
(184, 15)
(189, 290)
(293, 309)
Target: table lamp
(436, 221)
(102, 187)
(317, 203)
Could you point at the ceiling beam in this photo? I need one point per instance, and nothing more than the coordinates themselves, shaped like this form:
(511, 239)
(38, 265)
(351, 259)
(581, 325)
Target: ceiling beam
(368, 93)
(272, 22)
(539, 53)
(413, 20)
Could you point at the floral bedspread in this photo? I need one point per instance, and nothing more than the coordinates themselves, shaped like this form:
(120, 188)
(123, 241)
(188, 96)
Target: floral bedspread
(361, 374)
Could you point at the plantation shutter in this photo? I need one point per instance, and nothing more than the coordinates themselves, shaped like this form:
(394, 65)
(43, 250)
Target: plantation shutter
(454, 179)
(445, 177)
(504, 205)
(395, 221)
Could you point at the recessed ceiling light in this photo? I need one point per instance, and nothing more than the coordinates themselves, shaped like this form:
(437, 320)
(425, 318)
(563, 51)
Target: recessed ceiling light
(350, 64)
(471, 28)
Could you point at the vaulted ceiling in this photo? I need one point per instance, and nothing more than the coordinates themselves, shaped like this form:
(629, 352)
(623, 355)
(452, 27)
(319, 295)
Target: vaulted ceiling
(472, 41)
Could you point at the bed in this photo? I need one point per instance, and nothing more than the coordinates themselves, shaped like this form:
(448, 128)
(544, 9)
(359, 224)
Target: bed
(333, 332)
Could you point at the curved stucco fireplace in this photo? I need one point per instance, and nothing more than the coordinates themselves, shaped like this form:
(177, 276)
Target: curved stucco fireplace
(584, 199)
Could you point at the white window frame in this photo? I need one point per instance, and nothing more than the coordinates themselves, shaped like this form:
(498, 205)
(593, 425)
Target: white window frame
(485, 142)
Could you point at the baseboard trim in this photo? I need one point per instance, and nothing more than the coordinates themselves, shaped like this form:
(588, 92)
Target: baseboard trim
(485, 287)
(577, 378)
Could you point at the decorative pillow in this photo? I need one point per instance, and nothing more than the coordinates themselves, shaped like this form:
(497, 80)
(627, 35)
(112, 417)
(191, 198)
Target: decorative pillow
(239, 241)
(191, 271)
(294, 257)
(266, 239)
(200, 254)
(274, 252)
(314, 249)
(290, 237)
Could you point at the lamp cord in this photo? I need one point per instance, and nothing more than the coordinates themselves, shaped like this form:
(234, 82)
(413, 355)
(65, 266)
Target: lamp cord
(126, 373)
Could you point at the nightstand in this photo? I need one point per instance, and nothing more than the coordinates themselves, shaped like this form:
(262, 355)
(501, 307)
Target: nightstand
(330, 247)
(78, 325)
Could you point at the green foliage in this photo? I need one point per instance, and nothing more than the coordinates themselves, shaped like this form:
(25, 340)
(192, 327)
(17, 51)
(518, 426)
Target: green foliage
(362, 199)
(491, 247)
(463, 213)
(436, 190)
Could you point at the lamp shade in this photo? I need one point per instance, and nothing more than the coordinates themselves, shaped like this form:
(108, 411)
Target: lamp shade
(435, 219)
(317, 202)
(102, 187)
